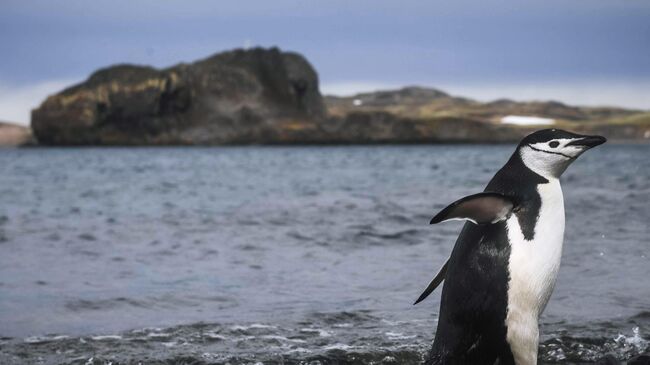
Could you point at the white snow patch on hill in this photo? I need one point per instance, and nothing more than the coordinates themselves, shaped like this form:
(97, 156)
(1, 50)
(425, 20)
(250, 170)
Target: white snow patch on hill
(526, 120)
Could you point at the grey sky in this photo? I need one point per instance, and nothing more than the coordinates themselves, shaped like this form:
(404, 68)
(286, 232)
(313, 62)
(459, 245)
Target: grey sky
(580, 51)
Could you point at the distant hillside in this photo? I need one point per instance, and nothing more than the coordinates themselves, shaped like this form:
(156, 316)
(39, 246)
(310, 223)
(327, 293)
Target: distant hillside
(267, 96)
(432, 104)
(12, 135)
(418, 102)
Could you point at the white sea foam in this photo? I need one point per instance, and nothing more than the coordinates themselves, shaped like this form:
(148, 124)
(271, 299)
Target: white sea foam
(214, 336)
(42, 339)
(399, 336)
(634, 342)
(343, 325)
(147, 329)
(169, 344)
(106, 337)
(339, 346)
(556, 354)
(246, 338)
(282, 338)
(254, 325)
(321, 332)
(298, 350)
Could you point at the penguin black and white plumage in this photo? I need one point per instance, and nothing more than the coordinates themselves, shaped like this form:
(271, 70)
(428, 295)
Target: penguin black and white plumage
(504, 265)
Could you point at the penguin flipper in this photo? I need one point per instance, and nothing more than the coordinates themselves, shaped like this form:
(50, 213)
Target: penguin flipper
(481, 208)
(440, 276)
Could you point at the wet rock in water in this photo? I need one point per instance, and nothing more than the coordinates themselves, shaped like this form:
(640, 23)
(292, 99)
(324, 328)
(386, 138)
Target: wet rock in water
(241, 96)
(608, 359)
(643, 359)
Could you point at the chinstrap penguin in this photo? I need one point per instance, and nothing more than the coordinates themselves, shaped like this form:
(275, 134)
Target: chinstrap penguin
(503, 267)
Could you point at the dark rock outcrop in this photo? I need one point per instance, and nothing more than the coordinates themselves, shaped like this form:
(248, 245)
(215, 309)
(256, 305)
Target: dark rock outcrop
(242, 96)
(643, 359)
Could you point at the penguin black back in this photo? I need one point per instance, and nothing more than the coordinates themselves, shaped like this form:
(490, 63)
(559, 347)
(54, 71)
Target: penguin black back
(475, 332)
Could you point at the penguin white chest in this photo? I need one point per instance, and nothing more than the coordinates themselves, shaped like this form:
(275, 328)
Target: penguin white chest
(533, 269)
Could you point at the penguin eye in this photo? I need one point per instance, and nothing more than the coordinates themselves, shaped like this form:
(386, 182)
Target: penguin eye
(554, 144)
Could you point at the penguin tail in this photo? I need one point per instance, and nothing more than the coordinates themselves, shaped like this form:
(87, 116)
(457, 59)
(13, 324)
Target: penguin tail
(440, 276)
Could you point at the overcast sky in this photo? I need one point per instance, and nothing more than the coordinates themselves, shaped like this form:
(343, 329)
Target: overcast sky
(591, 52)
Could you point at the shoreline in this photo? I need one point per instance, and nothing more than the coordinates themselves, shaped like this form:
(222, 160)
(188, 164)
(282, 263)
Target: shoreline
(610, 141)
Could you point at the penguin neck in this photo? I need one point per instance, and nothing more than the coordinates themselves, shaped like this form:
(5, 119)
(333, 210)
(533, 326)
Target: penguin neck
(517, 170)
(542, 164)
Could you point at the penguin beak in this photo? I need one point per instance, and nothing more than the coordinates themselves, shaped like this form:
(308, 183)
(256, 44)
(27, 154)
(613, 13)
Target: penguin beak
(588, 141)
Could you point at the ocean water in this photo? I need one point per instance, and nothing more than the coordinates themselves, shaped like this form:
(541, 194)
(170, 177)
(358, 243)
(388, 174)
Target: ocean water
(289, 255)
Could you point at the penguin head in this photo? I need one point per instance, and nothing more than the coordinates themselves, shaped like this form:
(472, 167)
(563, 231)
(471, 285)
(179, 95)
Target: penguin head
(549, 152)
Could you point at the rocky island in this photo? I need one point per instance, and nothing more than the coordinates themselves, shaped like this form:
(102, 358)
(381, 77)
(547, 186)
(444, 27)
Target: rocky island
(243, 96)
(266, 96)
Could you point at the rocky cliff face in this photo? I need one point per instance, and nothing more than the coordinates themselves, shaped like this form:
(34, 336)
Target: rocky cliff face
(242, 96)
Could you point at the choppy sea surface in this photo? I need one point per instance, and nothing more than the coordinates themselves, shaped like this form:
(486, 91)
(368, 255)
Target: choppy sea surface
(289, 255)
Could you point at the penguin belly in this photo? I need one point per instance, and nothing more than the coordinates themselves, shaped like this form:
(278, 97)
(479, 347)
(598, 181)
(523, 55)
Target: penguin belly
(533, 267)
